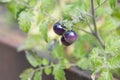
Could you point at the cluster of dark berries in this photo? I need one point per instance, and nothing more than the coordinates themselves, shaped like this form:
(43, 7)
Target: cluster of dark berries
(68, 36)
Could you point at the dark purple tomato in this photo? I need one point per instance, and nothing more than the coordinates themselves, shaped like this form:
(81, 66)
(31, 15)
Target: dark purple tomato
(64, 42)
(70, 36)
(59, 29)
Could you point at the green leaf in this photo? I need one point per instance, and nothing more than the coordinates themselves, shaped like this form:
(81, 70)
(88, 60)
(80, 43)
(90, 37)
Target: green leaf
(82, 42)
(58, 52)
(110, 25)
(106, 75)
(118, 30)
(47, 71)
(116, 14)
(13, 9)
(25, 19)
(32, 42)
(66, 63)
(44, 33)
(59, 73)
(96, 58)
(113, 45)
(45, 61)
(98, 2)
(114, 62)
(38, 75)
(44, 29)
(113, 3)
(31, 57)
(27, 74)
(84, 63)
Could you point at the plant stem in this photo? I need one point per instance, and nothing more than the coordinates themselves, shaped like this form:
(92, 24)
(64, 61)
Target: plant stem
(89, 26)
(93, 17)
(100, 40)
(96, 33)
(51, 17)
(101, 4)
(98, 37)
(83, 30)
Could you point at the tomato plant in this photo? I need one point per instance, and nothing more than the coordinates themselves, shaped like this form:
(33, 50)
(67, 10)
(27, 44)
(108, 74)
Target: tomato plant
(93, 26)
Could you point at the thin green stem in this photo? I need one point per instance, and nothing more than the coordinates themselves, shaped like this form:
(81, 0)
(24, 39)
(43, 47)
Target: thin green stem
(44, 67)
(52, 65)
(93, 17)
(89, 26)
(98, 37)
(101, 4)
(96, 33)
(83, 30)
(51, 17)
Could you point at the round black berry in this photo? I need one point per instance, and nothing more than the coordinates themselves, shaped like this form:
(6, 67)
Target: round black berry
(70, 36)
(59, 29)
(64, 42)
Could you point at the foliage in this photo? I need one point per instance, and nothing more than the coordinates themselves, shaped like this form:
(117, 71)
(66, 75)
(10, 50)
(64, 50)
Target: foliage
(4, 1)
(96, 22)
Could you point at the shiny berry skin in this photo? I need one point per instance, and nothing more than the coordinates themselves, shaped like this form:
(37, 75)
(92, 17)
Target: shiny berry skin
(70, 36)
(64, 42)
(59, 29)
